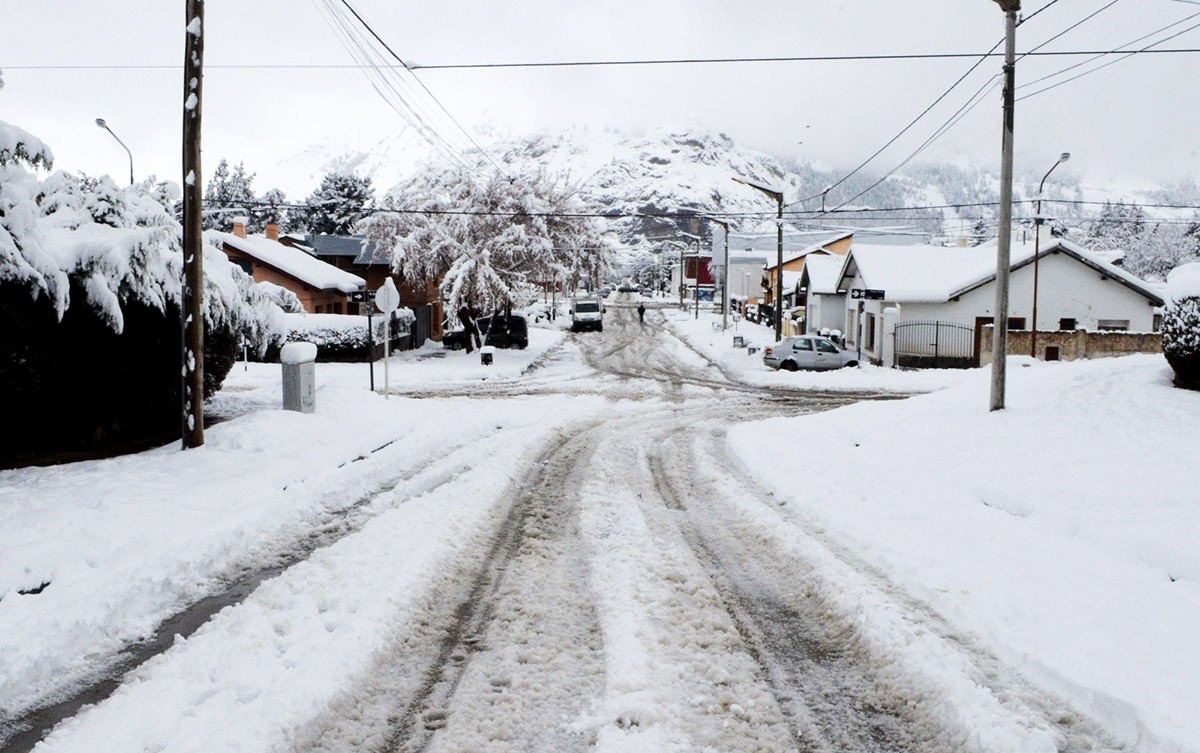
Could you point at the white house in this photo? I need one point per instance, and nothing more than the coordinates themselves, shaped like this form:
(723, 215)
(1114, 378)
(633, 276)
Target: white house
(951, 292)
(825, 305)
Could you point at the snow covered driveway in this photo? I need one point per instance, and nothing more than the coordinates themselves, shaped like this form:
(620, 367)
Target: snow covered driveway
(583, 568)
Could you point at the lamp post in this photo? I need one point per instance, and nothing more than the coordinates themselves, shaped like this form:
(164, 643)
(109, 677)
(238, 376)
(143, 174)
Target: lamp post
(1004, 241)
(1037, 233)
(724, 274)
(778, 296)
(100, 122)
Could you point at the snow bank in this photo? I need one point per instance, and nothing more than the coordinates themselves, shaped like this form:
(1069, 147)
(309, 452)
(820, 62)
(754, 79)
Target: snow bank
(1062, 530)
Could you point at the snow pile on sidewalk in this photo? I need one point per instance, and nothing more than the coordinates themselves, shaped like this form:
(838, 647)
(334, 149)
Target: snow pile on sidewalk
(1062, 530)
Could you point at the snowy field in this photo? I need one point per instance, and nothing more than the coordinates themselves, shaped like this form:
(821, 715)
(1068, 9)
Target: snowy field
(1052, 544)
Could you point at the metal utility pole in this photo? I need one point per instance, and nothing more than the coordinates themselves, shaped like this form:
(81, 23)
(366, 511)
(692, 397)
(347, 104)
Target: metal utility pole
(193, 244)
(1037, 238)
(778, 296)
(1004, 242)
(724, 274)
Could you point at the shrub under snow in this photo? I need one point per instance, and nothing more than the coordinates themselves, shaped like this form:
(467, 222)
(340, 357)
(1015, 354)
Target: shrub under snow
(90, 298)
(1181, 323)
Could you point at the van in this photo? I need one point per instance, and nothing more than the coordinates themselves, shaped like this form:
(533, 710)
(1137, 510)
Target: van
(587, 313)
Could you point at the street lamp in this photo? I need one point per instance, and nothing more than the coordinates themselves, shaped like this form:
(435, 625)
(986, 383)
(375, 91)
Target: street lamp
(724, 274)
(778, 297)
(100, 122)
(1037, 232)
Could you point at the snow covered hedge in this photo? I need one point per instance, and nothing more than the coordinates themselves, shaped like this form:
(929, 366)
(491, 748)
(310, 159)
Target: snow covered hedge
(1181, 324)
(90, 298)
(343, 337)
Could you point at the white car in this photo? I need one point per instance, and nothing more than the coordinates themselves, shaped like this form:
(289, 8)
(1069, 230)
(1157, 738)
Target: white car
(807, 353)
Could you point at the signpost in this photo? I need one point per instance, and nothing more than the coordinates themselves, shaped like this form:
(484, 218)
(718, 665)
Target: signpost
(366, 300)
(866, 294)
(387, 298)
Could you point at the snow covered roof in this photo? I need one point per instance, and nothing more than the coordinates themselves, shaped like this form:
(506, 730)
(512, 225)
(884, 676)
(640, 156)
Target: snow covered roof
(346, 246)
(939, 273)
(293, 261)
(812, 248)
(823, 273)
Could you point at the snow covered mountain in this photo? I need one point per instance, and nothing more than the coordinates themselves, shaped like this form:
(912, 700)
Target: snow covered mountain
(686, 169)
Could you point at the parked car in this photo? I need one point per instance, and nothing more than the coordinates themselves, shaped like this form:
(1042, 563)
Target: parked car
(454, 339)
(807, 353)
(502, 331)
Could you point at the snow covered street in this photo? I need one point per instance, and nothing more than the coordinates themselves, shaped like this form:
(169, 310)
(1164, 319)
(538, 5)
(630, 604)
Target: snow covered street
(635, 540)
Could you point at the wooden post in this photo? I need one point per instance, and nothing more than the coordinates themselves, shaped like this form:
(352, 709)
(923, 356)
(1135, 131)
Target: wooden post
(193, 244)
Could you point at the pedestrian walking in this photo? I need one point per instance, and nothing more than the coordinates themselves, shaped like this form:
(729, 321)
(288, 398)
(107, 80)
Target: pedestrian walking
(642, 313)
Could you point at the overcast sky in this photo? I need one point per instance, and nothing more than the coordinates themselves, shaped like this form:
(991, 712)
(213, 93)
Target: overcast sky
(1133, 122)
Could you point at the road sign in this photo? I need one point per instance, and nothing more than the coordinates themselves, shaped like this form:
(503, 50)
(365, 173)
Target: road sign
(362, 296)
(387, 298)
(866, 294)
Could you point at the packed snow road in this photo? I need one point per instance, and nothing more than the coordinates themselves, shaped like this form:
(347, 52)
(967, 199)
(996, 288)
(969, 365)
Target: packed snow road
(629, 589)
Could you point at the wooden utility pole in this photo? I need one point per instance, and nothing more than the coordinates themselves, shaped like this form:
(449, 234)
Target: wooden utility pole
(193, 242)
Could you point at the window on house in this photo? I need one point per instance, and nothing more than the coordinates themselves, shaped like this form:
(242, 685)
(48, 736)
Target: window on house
(1016, 322)
(869, 333)
(1067, 325)
(247, 266)
(1053, 353)
(1157, 326)
(1112, 325)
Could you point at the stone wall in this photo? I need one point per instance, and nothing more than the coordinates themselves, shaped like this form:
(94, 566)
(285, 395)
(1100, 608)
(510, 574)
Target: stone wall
(1074, 344)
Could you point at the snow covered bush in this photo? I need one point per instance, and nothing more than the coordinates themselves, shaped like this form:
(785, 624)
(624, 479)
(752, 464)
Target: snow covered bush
(1181, 324)
(90, 298)
(342, 337)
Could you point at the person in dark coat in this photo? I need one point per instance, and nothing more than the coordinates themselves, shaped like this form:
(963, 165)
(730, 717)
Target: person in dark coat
(468, 324)
(642, 313)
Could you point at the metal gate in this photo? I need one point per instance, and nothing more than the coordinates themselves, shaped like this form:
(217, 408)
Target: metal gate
(935, 345)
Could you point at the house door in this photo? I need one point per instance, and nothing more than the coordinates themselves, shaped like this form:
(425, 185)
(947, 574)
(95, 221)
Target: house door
(980, 322)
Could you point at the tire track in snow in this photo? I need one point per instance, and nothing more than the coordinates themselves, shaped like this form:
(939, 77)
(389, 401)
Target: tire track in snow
(491, 648)
(1002, 709)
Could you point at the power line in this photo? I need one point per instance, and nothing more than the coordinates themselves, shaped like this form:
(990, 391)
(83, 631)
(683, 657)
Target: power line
(586, 63)
(1126, 56)
(432, 96)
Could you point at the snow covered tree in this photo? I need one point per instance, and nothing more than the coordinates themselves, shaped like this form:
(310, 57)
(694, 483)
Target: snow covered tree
(338, 203)
(270, 211)
(1181, 324)
(91, 273)
(227, 189)
(489, 242)
(1118, 227)
(1160, 249)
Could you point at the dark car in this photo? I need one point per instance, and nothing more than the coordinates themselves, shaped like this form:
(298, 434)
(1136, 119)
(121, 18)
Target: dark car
(502, 331)
(454, 339)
